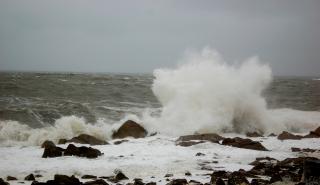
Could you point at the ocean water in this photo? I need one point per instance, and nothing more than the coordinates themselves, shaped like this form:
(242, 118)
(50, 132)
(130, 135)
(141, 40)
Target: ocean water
(204, 94)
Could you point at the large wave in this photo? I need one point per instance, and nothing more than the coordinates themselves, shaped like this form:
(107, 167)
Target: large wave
(206, 94)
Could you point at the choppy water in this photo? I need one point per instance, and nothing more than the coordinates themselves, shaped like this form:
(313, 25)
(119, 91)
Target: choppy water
(38, 99)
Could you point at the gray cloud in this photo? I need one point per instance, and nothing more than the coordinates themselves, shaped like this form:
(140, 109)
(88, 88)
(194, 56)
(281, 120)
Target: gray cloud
(139, 36)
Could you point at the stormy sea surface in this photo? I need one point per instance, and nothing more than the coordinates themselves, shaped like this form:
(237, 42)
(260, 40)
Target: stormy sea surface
(208, 96)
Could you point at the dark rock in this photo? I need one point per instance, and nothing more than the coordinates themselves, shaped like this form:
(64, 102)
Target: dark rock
(259, 182)
(286, 135)
(189, 143)
(121, 141)
(87, 139)
(219, 181)
(309, 150)
(62, 141)
(138, 181)
(236, 178)
(200, 154)
(88, 177)
(120, 176)
(214, 138)
(96, 182)
(313, 134)
(52, 151)
(10, 178)
(293, 149)
(2, 182)
(169, 175)
(30, 177)
(275, 178)
(64, 180)
(272, 135)
(82, 151)
(47, 144)
(178, 182)
(218, 174)
(311, 172)
(244, 143)
(38, 175)
(253, 134)
(38, 183)
(187, 174)
(151, 183)
(130, 129)
(194, 182)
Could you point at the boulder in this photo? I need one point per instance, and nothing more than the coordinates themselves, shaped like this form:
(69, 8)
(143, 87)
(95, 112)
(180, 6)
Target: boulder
(130, 129)
(138, 181)
(87, 139)
(253, 134)
(286, 135)
(189, 140)
(219, 181)
(244, 143)
(311, 172)
(64, 180)
(2, 182)
(52, 151)
(30, 177)
(120, 176)
(82, 151)
(47, 143)
(313, 134)
(96, 182)
(10, 178)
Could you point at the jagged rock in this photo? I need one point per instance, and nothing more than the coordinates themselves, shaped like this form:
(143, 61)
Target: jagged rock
(82, 151)
(120, 176)
(130, 129)
(178, 182)
(52, 151)
(275, 178)
(96, 182)
(88, 177)
(10, 178)
(120, 141)
(286, 135)
(30, 177)
(47, 144)
(313, 134)
(2, 182)
(189, 140)
(244, 143)
(87, 139)
(253, 134)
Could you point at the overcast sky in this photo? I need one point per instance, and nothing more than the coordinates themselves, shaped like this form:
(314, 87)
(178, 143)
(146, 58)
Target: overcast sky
(140, 36)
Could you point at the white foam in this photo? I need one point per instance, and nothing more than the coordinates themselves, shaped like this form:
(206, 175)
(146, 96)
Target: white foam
(206, 94)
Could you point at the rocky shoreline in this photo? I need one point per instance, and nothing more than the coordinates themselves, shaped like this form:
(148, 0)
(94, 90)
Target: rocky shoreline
(266, 170)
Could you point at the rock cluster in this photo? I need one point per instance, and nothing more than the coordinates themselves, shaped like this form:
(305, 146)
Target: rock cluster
(71, 150)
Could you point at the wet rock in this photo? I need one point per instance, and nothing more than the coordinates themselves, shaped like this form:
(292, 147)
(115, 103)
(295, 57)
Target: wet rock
(82, 151)
(52, 151)
(187, 173)
(244, 143)
(200, 154)
(169, 175)
(259, 182)
(38, 183)
(275, 178)
(253, 134)
(178, 182)
(309, 150)
(38, 175)
(194, 182)
(30, 177)
(2, 182)
(311, 172)
(120, 176)
(64, 180)
(286, 135)
(189, 140)
(87, 139)
(62, 141)
(47, 144)
(218, 174)
(313, 134)
(236, 178)
(130, 129)
(120, 141)
(272, 135)
(219, 181)
(88, 177)
(151, 183)
(138, 181)
(96, 182)
(10, 178)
